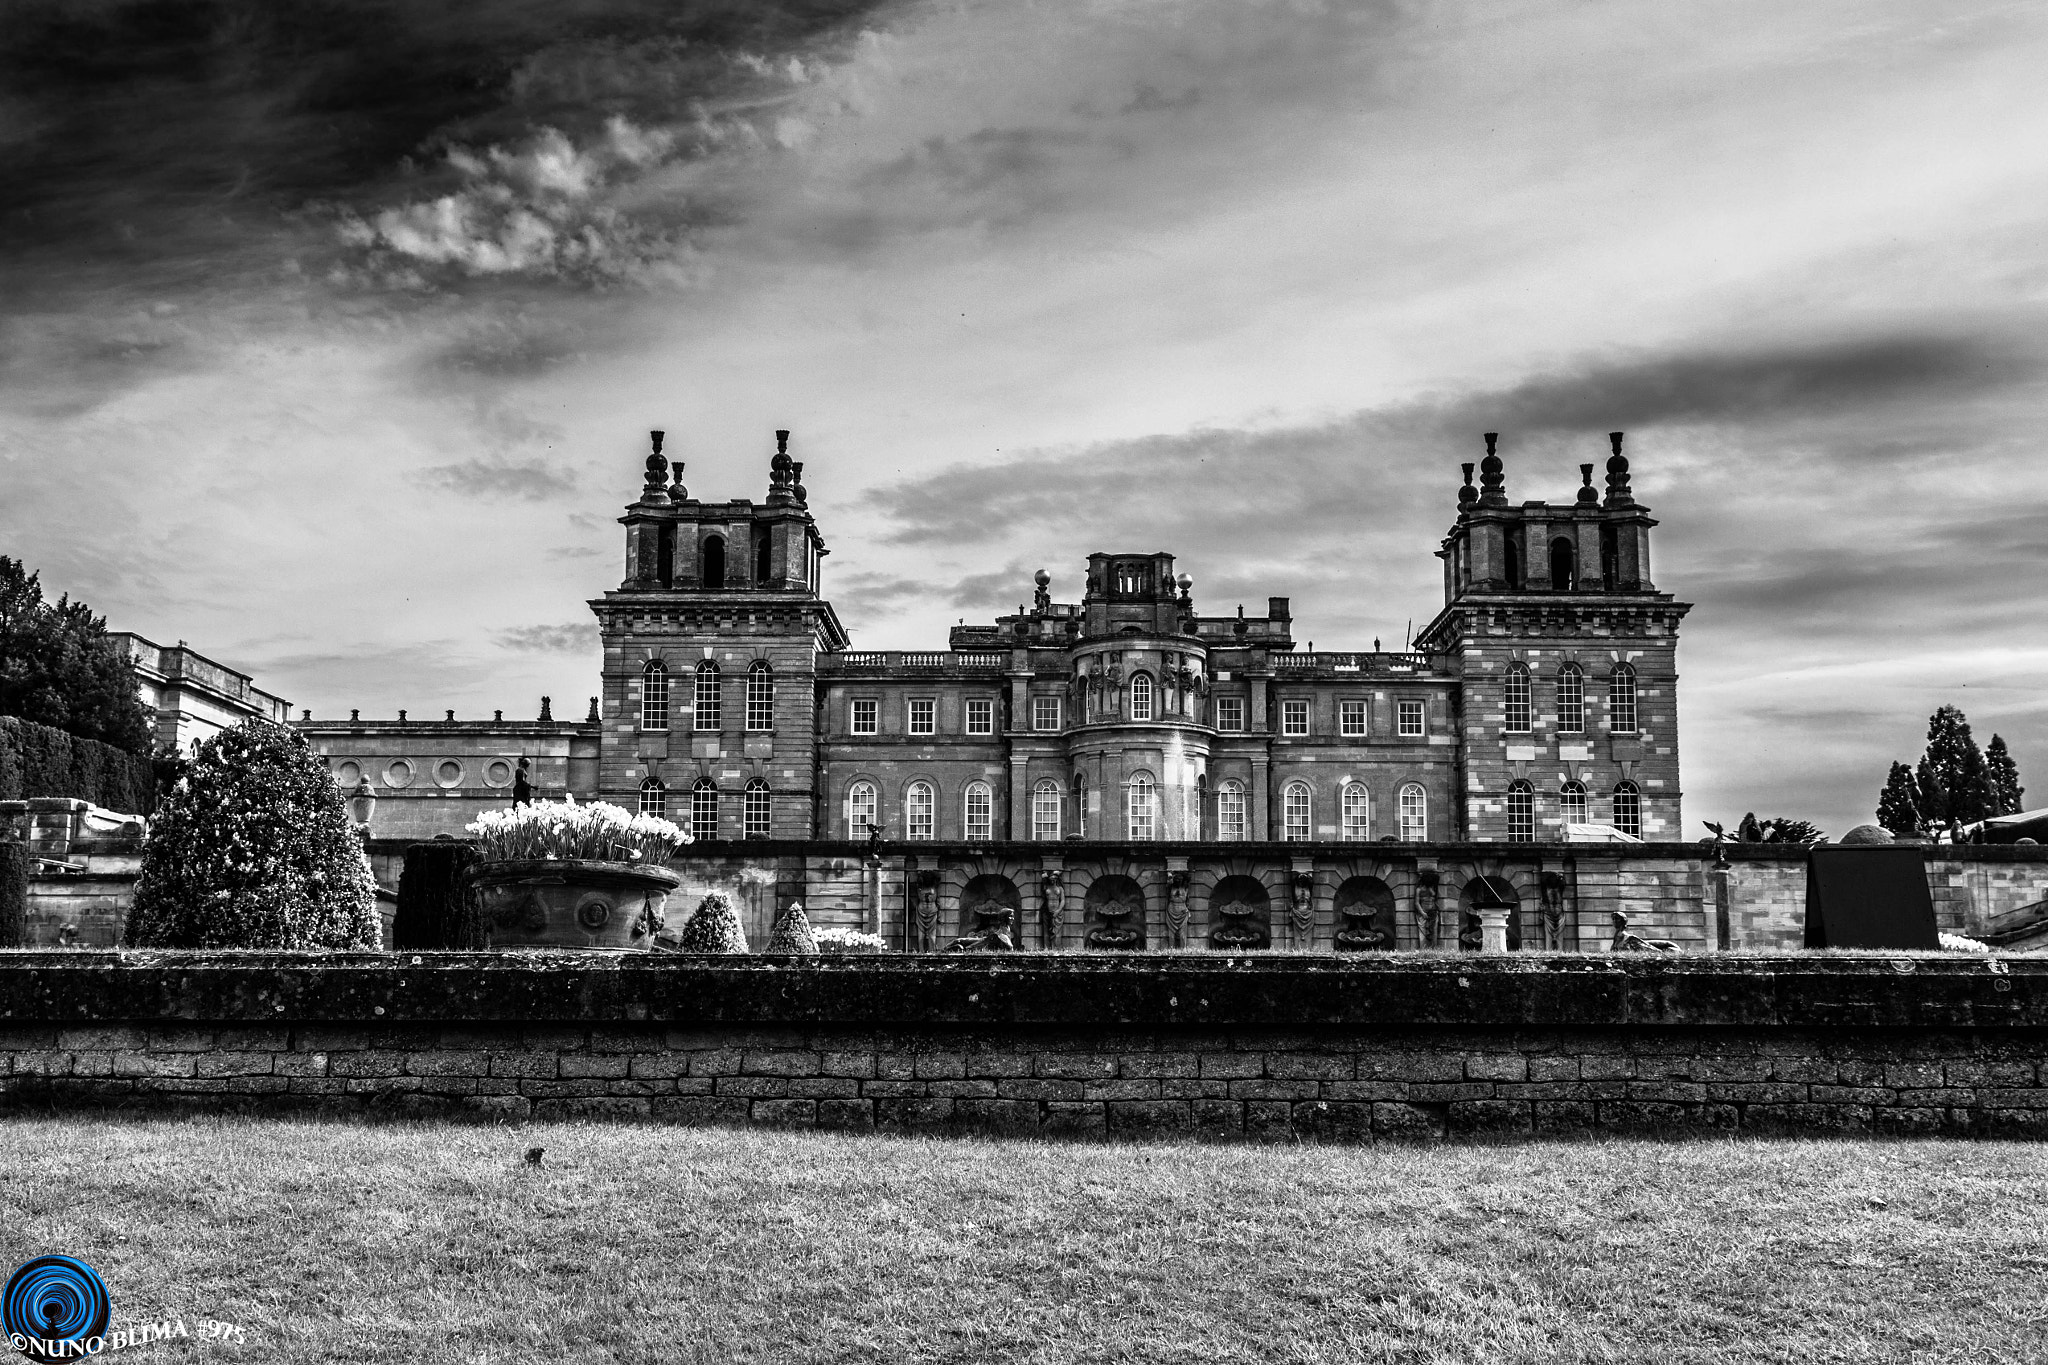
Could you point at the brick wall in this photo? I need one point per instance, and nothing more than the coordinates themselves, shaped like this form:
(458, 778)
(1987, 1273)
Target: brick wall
(1256, 1049)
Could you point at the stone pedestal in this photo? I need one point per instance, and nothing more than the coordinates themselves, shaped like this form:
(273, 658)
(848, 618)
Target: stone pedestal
(1493, 931)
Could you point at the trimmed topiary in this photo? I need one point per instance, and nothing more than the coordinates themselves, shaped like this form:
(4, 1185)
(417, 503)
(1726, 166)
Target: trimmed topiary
(14, 866)
(792, 932)
(254, 849)
(714, 927)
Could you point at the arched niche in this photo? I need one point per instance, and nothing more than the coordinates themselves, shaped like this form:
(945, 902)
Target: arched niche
(988, 901)
(1489, 892)
(714, 561)
(1116, 913)
(1240, 915)
(1365, 915)
(1564, 564)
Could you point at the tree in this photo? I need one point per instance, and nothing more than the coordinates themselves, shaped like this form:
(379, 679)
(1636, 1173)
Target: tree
(714, 927)
(1955, 784)
(792, 932)
(2006, 790)
(254, 849)
(59, 667)
(1898, 805)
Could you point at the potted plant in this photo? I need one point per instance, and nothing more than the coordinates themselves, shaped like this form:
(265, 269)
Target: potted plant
(555, 874)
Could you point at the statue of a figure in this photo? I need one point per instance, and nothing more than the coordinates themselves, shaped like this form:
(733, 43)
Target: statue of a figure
(1052, 900)
(1553, 911)
(928, 914)
(1302, 917)
(1176, 909)
(522, 786)
(1041, 600)
(1428, 907)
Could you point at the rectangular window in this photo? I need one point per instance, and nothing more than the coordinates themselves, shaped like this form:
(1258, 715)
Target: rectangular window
(706, 697)
(1294, 812)
(981, 716)
(1409, 724)
(1143, 799)
(1521, 814)
(1231, 822)
(1230, 713)
(1045, 811)
(924, 716)
(760, 699)
(867, 717)
(1351, 719)
(1045, 712)
(980, 812)
(1293, 717)
(1571, 701)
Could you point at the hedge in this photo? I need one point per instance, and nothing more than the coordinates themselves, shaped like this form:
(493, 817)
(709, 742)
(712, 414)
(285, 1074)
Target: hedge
(14, 869)
(36, 760)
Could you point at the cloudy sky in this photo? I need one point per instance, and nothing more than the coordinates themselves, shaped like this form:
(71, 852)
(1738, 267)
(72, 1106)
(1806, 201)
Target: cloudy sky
(333, 328)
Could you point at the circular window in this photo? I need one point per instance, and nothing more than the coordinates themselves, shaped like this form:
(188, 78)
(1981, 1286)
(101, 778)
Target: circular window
(398, 773)
(349, 773)
(498, 773)
(448, 773)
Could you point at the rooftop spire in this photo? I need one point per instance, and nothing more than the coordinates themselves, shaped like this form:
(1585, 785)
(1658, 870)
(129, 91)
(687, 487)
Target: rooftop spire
(1492, 482)
(1618, 492)
(656, 489)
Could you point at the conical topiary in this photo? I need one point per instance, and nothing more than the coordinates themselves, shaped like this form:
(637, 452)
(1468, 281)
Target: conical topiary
(714, 927)
(254, 849)
(792, 932)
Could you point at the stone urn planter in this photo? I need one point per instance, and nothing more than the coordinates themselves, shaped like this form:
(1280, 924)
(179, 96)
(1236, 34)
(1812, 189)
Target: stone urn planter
(572, 902)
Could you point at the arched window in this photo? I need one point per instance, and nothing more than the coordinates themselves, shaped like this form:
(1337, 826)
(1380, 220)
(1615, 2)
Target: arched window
(1571, 798)
(1628, 810)
(1143, 805)
(654, 798)
(757, 811)
(862, 809)
(1621, 700)
(1045, 810)
(760, 696)
(979, 807)
(1564, 564)
(761, 547)
(1610, 558)
(920, 811)
(1571, 700)
(1515, 692)
(1357, 811)
(1414, 812)
(654, 696)
(1512, 545)
(706, 698)
(1232, 824)
(704, 809)
(1141, 696)
(1521, 813)
(1294, 812)
(714, 561)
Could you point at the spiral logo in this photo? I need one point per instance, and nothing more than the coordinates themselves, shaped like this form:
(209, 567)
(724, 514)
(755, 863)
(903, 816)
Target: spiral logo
(55, 1308)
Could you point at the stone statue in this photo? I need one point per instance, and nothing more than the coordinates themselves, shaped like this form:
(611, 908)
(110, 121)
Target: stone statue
(928, 912)
(992, 933)
(1177, 909)
(1301, 919)
(1552, 890)
(1627, 942)
(522, 786)
(1041, 600)
(1052, 901)
(1428, 906)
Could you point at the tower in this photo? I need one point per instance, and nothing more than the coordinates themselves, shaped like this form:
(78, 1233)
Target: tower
(1566, 655)
(710, 656)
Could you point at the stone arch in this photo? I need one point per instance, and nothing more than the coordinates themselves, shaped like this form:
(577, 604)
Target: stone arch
(1240, 914)
(985, 898)
(1365, 915)
(1116, 912)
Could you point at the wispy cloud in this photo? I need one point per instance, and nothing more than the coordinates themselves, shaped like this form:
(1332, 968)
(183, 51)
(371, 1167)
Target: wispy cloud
(573, 637)
(532, 480)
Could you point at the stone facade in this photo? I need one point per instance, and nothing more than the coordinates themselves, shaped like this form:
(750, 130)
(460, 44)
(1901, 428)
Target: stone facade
(193, 697)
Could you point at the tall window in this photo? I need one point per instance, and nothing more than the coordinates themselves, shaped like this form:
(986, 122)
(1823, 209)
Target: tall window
(981, 716)
(760, 696)
(980, 811)
(1351, 718)
(1571, 700)
(714, 562)
(1294, 812)
(1231, 823)
(707, 695)
(1414, 812)
(1408, 719)
(1293, 717)
(654, 798)
(762, 550)
(1628, 809)
(1045, 810)
(1515, 692)
(862, 807)
(1571, 799)
(757, 810)
(920, 811)
(704, 809)
(1621, 700)
(924, 716)
(1357, 812)
(654, 696)
(1144, 807)
(1141, 696)
(866, 716)
(1045, 712)
(1230, 713)
(1521, 813)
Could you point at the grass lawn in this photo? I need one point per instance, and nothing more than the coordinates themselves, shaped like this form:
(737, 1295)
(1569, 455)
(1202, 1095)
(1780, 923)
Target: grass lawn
(336, 1242)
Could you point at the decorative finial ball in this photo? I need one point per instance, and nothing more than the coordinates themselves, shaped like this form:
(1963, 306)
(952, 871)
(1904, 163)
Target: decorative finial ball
(1186, 581)
(1617, 464)
(1868, 834)
(1041, 578)
(1490, 465)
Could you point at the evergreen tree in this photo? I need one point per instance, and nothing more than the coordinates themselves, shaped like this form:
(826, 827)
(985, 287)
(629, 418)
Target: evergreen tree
(2006, 790)
(1955, 784)
(254, 849)
(1898, 805)
(59, 667)
(714, 927)
(792, 932)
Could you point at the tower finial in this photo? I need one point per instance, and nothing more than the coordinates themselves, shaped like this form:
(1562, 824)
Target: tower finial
(1618, 492)
(779, 475)
(1493, 483)
(1588, 496)
(655, 490)
(1468, 494)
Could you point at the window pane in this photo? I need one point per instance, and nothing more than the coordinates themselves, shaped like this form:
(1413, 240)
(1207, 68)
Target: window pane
(757, 811)
(1351, 718)
(704, 811)
(867, 717)
(1628, 810)
(924, 716)
(1144, 799)
(1571, 700)
(1521, 813)
(919, 807)
(1230, 713)
(1572, 800)
(980, 811)
(1357, 812)
(1045, 713)
(1045, 811)
(861, 800)
(1516, 695)
(1141, 696)
(1410, 724)
(1293, 717)
(707, 696)
(1414, 812)
(654, 696)
(981, 716)
(654, 798)
(1294, 811)
(760, 698)
(1621, 700)
(1231, 821)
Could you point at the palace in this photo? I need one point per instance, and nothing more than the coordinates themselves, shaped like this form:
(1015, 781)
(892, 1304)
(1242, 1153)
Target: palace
(1538, 706)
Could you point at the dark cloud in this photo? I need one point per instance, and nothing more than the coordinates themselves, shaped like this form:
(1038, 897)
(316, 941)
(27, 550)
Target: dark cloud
(575, 637)
(532, 480)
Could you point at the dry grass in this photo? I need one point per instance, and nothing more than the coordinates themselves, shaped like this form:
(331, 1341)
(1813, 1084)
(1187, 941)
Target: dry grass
(333, 1242)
